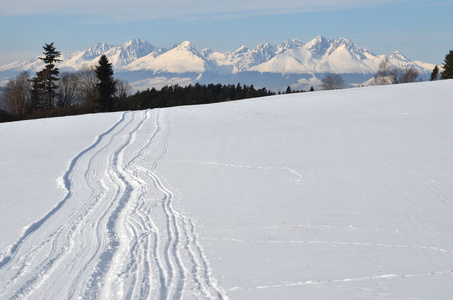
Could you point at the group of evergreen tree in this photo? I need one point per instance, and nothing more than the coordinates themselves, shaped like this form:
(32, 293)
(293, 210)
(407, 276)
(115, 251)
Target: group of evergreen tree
(447, 72)
(175, 95)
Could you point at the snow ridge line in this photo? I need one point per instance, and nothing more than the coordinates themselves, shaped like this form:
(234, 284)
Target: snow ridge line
(67, 184)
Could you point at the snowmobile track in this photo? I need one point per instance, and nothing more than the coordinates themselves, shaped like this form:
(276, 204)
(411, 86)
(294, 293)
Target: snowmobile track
(118, 233)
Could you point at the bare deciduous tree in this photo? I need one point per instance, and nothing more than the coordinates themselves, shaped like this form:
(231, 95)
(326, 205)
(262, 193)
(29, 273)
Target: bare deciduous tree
(333, 82)
(66, 94)
(385, 74)
(17, 96)
(408, 75)
(123, 88)
(87, 90)
(388, 75)
(87, 84)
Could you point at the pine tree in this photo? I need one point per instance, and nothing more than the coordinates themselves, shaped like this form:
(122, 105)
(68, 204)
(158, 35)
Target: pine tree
(288, 90)
(106, 83)
(448, 66)
(435, 74)
(44, 84)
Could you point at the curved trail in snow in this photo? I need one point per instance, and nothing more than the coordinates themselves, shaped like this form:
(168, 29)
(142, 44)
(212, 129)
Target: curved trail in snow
(118, 233)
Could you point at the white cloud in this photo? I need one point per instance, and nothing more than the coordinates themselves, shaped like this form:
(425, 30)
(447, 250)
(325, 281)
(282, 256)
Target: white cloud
(155, 9)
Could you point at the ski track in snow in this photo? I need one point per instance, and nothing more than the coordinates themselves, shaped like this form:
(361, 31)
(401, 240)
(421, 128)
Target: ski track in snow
(118, 233)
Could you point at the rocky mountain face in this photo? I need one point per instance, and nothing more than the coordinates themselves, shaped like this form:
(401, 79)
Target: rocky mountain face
(293, 63)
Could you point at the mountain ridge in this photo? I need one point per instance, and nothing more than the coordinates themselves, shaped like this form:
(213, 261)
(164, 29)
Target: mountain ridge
(303, 63)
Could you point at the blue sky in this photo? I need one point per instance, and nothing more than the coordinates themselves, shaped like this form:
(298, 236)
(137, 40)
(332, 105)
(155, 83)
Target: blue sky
(420, 29)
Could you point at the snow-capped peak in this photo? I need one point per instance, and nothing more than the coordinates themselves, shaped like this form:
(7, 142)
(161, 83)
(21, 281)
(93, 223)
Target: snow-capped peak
(345, 41)
(242, 49)
(96, 50)
(397, 55)
(264, 52)
(290, 44)
(135, 49)
(181, 58)
(185, 46)
(137, 44)
(319, 45)
(134, 43)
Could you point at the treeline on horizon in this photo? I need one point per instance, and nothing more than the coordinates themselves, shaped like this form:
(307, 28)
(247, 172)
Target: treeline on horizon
(167, 96)
(93, 90)
(175, 95)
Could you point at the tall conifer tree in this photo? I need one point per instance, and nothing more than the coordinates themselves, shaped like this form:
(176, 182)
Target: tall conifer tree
(448, 66)
(106, 83)
(434, 74)
(44, 84)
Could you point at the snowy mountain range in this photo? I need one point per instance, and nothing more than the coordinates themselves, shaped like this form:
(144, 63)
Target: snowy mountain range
(293, 63)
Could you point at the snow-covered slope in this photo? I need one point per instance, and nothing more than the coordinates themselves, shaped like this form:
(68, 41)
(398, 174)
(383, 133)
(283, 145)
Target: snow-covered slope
(139, 61)
(330, 195)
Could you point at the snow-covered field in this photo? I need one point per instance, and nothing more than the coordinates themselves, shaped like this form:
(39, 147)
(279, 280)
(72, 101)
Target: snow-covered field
(326, 195)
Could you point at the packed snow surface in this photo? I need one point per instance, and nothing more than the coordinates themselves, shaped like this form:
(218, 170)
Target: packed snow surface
(325, 195)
